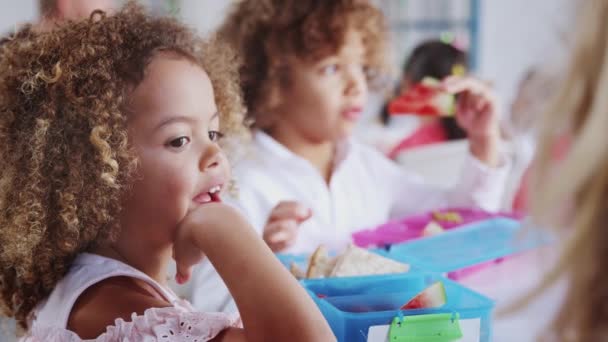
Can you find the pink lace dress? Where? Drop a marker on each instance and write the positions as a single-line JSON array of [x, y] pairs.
[[177, 323]]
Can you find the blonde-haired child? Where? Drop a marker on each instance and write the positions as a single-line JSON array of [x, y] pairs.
[[572, 194], [110, 164]]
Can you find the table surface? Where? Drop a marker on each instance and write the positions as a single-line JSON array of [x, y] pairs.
[[510, 280]]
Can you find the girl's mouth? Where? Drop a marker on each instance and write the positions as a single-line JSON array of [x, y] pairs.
[[213, 195]]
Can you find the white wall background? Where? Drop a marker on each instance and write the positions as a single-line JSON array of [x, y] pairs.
[[13, 12], [204, 15], [519, 34]]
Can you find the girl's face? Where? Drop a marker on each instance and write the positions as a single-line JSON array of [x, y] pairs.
[[324, 100], [174, 129]]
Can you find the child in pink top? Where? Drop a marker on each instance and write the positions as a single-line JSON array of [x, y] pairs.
[[430, 133], [438, 60]]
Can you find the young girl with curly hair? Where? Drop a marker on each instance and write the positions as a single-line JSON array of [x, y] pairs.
[[110, 166]]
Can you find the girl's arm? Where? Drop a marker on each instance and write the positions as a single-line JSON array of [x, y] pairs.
[[273, 306]]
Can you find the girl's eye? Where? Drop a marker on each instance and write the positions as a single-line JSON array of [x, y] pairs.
[[179, 142], [215, 136], [330, 69]]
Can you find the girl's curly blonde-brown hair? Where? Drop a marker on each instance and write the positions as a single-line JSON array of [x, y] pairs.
[[65, 159], [267, 32]]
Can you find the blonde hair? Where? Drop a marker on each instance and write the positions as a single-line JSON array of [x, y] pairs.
[[579, 183]]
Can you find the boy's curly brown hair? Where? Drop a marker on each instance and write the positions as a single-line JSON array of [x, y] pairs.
[[267, 32], [65, 159]]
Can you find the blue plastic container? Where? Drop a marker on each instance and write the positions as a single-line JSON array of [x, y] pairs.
[[353, 305], [430, 258], [468, 246]]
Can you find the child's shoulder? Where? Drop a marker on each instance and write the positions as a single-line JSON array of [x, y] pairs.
[[259, 157], [126, 309], [115, 298], [95, 281], [368, 155], [105, 299]]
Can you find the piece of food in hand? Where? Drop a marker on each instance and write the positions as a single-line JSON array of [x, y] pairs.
[[320, 264], [432, 229], [426, 98], [358, 262], [433, 296]]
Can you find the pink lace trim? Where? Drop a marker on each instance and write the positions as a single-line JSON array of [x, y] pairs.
[[156, 324]]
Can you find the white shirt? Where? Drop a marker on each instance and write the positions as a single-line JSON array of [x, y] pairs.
[[366, 189]]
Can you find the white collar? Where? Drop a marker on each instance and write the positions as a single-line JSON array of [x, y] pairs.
[[270, 145]]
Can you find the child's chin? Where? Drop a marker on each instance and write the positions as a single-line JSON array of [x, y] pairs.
[[345, 131], [335, 133]]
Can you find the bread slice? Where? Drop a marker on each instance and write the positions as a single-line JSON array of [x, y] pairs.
[[296, 271], [358, 261], [320, 264]]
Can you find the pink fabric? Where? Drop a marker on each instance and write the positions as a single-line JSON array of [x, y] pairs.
[[428, 134], [520, 202], [177, 323], [156, 324]]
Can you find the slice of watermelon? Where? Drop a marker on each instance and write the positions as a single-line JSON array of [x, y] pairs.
[[432, 229], [432, 297], [424, 98]]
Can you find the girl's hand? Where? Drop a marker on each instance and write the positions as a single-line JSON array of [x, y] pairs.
[[281, 230], [477, 112], [185, 247]]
